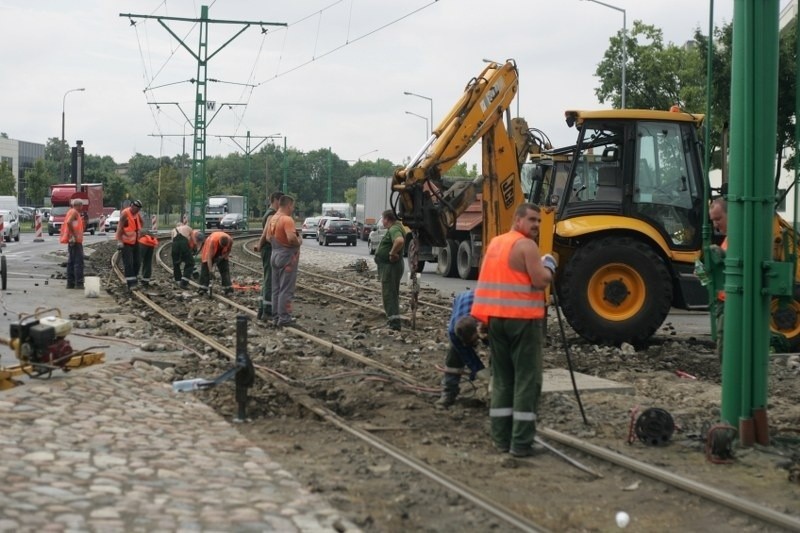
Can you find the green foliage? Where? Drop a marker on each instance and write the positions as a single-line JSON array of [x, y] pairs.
[[38, 180], [8, 184], [350, 195]]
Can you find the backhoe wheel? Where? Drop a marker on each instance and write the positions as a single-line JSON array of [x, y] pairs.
[[615, 290], [446, 261], [785, 319], [464, 261]]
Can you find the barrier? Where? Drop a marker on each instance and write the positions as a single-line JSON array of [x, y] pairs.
[[38, 227], [102, 228], [154, 223]]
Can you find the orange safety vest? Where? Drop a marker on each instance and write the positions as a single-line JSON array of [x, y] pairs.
[[212, 247], [148, 240], [73, 215], [721, 292], [501, 291], [133, 224]]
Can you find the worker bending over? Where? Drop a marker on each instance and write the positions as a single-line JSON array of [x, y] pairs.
[[215, 251], [147, 246], [185, 244]]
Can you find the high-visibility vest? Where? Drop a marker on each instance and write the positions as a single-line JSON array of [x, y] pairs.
[[73, 216], [721, 292], [501, 291], [133, 224], [148, 240], [213, 248]]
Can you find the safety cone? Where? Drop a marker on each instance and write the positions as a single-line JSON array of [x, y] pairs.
[[154, 223]]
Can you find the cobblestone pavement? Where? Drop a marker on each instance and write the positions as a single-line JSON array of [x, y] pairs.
[[110, 449]]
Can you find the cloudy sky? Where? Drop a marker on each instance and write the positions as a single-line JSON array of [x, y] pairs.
[[334, 78]]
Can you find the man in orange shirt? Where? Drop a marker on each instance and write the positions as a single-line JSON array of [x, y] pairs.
[[215, 251], [509, 298], [282, 235], [128, 229], [72, 236]]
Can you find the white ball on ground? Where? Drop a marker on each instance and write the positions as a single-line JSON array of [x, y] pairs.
[[623, 519]]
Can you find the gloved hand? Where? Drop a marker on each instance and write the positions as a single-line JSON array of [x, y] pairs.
[[550, 263], [119, 245]]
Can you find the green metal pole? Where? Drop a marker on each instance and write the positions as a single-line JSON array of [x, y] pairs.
[[706, 229], [330, 177], [754, 92], [285, 168], [247, 182]]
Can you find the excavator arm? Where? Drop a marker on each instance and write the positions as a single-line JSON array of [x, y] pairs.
[[424, 205]]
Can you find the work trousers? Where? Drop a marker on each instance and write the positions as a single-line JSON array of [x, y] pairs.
[[516, 346], [74, 264], [266, 281], [284, 278], [224, 273], [146, 261], [130, 261], [182, 260], [458, 356], [390, 275]]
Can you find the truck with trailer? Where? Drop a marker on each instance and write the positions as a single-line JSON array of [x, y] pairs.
[[220, 205], [61, 196], [372, 198], [338, 210]]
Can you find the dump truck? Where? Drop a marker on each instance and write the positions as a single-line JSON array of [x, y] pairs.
[[61, 196]]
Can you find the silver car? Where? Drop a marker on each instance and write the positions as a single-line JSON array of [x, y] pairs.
[[309, 228], [374, 238]]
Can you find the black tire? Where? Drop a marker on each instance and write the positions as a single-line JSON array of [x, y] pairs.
[[3, 273], [464, 261], [17, 237], [327, 242], [446, 260], [615, 290], [91, 231]]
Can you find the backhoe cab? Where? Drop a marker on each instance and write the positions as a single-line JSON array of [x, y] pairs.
[[629, 202]]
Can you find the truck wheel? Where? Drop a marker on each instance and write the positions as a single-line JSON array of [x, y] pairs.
[[446, 260], [91, 231], [3, 273], [17, 237], [464, 261], [615, 290], [785, 320]]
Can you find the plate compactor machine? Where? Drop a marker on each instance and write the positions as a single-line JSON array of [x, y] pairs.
[[40, 344]]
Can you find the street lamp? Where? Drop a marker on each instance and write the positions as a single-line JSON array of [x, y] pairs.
[[63, 103], [423, 118], [624, 41], [367, 153], [426, 98]]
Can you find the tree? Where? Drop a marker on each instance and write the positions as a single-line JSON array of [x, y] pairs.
[[652, 71], [8, 184], [38, 180]]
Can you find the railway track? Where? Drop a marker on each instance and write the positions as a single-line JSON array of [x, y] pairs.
[[304, 389]]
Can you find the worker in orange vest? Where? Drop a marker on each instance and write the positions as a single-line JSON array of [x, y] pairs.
[[72, 236], [509, 297], [128, 229], [147, 245], [718, 213], [215, 251]]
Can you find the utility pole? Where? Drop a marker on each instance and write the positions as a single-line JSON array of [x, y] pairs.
[[330, 185], [285, 168], [247, 152], [198, 187]]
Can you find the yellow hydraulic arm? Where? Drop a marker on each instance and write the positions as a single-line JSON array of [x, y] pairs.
[[423, 206]]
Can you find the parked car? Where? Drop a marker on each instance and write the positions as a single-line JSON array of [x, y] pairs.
[[10, 225], [112, 221], [232, 221], [374, 239], [45, 212], [309, 228], [338, 230], [26, 213]]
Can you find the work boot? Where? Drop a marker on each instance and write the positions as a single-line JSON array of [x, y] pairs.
[[445, 401], [227, 291], [527, 451], [184, 284], [79, 286]]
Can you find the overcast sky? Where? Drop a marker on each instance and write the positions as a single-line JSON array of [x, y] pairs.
[[334, 78]]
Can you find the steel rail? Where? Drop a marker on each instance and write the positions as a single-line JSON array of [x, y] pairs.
[[725, 499], [301, 397], [348, 283]]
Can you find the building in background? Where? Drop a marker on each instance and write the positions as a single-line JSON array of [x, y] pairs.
[[20, 156]]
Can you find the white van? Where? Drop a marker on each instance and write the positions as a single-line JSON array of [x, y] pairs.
[[9, 203]]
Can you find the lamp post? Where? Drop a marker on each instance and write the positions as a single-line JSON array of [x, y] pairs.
[[63, 104], [367, 153], [423, 118], [624, 41], [426, 98]]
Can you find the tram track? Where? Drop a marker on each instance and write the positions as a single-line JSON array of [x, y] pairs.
[[754, 510]]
